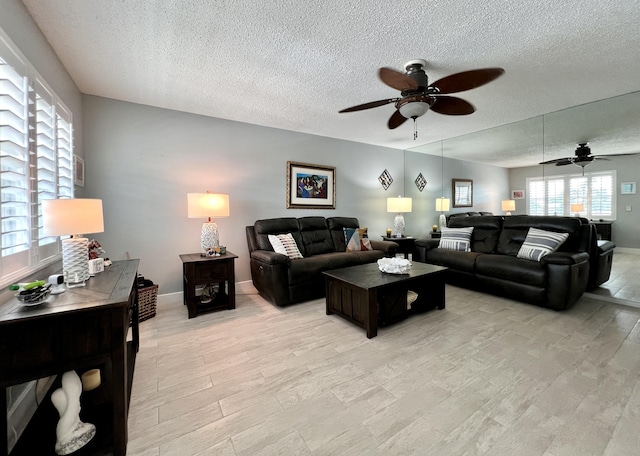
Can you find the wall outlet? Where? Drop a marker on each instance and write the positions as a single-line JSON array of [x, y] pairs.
[[628, 208]]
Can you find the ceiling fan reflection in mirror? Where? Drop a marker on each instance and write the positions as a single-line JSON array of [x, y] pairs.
[[582, 157], [417, 96]]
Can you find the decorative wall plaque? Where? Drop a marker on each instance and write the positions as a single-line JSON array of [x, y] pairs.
[[385, 179], [421, 182]]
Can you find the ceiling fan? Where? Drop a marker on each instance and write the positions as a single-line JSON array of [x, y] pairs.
[[417, 96], [582, 157]]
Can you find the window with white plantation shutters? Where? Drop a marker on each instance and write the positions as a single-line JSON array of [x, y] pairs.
[[554, 195], [36, 137], [14, 165]]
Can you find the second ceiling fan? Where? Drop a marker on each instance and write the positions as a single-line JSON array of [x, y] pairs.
[[417, 96]]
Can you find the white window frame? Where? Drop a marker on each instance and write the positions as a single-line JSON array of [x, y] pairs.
[[56, 130], [568, 196]]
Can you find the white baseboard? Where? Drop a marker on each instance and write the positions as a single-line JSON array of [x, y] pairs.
[[245, 287]]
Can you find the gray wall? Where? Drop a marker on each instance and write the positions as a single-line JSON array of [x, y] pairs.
[[490, 187], [625, 230], [142, 161]]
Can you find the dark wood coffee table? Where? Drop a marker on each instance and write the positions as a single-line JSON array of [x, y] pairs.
[[367, 297]]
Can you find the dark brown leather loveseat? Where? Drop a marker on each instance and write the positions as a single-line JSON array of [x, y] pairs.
[[283, 281], [556, 281]]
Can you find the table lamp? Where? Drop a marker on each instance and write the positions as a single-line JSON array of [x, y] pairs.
[[577, 208], [73, 217], [508, 205], [201, 205], [442, 206], [398, 205]]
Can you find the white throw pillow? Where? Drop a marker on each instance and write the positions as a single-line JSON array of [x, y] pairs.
[[286, 245], [456, 239], [539, 243]]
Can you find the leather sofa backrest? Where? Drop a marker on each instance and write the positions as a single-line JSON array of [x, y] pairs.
[[516, 227], [486, 231], [466, 214], [263, 228], [316, 238], [336, 225]]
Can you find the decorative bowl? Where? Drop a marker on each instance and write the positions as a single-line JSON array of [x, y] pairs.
[[34, 296]]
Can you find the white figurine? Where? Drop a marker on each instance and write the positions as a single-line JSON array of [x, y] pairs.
[[71, 433]]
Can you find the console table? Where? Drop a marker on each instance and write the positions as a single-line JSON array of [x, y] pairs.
[[81, 329], [199, 270]]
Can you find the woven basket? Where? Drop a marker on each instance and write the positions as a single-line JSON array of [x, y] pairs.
[[147, 300]]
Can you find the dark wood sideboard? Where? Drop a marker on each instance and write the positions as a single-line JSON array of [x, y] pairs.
[[82, 329]]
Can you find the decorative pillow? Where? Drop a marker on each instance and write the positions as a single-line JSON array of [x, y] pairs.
[[456, 239], [285, 244], [539, 243], [357, 239]]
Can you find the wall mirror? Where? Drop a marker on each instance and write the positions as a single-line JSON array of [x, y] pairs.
[[462, 191]]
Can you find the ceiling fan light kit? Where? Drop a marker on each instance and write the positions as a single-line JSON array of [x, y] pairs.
[[417, 96]]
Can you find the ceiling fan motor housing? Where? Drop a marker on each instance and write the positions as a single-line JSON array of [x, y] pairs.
[[415, 70]]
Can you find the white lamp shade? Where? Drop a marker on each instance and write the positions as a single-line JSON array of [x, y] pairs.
[[508, 205], [442, 204], [578, 207], [62, 217], [202, 205], [399, 204]]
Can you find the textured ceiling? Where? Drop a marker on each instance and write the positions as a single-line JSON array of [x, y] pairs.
[[293, 64]]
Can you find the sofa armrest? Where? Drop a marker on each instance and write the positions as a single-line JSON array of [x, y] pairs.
[[388, 247], [565, 258], [427, 244], [271, 258]]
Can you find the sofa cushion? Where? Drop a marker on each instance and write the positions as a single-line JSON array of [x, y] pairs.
[[263, 228], [486, 231], [357, 239], [336, 227], [304, 269], [316, 238], [539, 243], [285, 245], [460, 261], [456, 239], [511, 268]]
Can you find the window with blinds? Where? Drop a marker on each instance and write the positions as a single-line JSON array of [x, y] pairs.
[[554, 195], [36, 151]]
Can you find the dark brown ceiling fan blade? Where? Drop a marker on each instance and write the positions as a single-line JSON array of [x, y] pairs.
[[396, 120], [397, 80], [564, 161], [452, 106], [466, 80], [371, 104]]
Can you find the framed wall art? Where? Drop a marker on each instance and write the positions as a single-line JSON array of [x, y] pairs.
[[628, 188], [78, 171], [310, 186], [517, 194], [462, 190]]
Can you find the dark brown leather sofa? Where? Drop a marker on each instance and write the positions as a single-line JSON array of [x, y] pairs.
[[557, 281], [283, 281]]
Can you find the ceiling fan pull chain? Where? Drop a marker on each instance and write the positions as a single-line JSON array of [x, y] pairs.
[[415, 129]]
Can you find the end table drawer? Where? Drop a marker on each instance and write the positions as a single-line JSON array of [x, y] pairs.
[[211, 271]]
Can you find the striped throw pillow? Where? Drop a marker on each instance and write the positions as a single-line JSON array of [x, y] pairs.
[[285, 244], [456, 239], [539, 243]]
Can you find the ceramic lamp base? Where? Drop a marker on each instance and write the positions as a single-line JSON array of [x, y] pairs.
[[210, 238], [398, 226], [442, 221], [75, 261]]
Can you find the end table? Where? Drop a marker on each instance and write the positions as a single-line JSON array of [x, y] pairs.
[[199, 270], [405, 244]]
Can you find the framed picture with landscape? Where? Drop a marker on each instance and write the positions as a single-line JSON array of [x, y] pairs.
[[462, 190], [310, 186]]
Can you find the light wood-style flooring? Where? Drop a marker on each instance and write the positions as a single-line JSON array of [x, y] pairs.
[[486, 376]]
